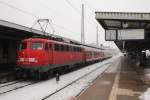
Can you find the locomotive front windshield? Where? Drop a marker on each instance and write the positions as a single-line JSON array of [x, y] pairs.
[[36, 46]]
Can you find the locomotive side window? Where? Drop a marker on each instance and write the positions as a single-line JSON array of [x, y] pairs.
[[56, 47], [50, 46], [46, 46], [36, 46], [23, 46], [62, 47]]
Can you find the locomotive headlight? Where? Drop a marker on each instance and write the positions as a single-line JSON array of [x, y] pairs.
[[21, 59], [33, 60]]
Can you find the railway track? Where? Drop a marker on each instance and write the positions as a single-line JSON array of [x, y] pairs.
[[7, 76], [14, 86], [10, 83], [69, 84], [18, 84]]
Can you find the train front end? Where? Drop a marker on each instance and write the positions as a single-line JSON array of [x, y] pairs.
[[32, 58]]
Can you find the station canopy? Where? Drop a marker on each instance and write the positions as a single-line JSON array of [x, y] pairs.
[[129, 30]]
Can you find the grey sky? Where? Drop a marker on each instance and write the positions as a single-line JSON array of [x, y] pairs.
[[66, 14]]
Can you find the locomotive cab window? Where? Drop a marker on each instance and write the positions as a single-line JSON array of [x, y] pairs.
[[23, 46], [36, 46]]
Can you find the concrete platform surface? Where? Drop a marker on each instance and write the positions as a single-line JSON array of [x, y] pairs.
[[119, 82]]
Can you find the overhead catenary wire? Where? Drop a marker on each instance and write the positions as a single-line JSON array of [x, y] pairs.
[[64, 28], [18, 9], [56, 25], [32, 15], [91, 8], [76, 9], [46, 7], [94, 25], [86, 18], [37, 17]]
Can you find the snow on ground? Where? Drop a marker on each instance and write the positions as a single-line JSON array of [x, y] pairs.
[[13, 86], [3, 84], [145, 95], [79, 86], [75, 88], [40, 90]]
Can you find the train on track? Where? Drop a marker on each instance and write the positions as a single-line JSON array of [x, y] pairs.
[[39, 57]]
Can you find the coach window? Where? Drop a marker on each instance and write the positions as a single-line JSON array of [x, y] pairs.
[[79, 49], [70, 48], [64, 47], [56, 47], [67, 48], [74, 49], [61, 47]]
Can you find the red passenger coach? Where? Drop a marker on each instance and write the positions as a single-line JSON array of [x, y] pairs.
[[93, 54]]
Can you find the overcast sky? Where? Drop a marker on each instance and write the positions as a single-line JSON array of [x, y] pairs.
[[66, 14]]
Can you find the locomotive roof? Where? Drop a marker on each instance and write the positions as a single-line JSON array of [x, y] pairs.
[[48, 40], [87, 48]]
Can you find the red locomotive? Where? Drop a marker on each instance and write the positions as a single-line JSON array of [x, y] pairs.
[[39, 57]]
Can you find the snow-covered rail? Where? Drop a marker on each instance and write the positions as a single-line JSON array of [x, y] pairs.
[[10, 83], [14, 86]]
